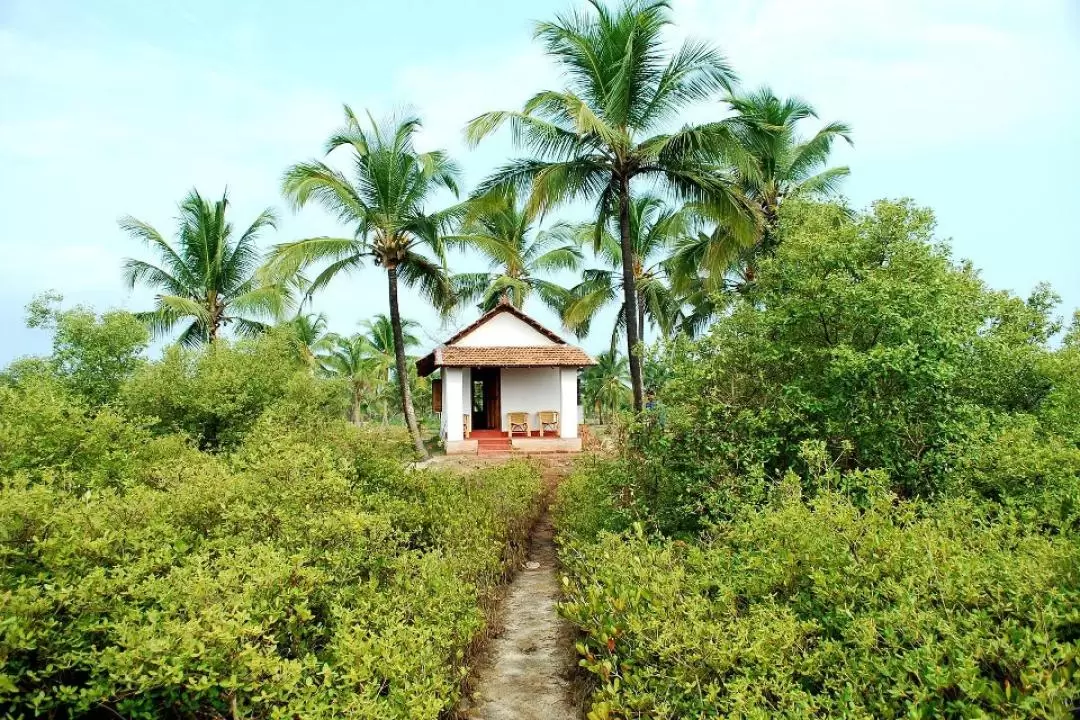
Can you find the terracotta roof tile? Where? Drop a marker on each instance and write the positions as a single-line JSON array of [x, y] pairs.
[[449, 355], [545, 356]]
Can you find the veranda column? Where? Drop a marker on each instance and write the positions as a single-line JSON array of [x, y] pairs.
[[568, 410], [452, 406]]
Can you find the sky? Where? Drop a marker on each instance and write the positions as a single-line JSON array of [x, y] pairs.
[[118, 107]]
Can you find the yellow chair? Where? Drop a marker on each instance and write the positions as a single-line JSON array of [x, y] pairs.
[[466, 424], [518, 422], [549, 420]]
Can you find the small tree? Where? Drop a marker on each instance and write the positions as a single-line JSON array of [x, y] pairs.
[[93, 354], [654, 227], [504, 232], [606, 385]]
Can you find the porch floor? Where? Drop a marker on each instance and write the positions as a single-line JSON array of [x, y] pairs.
[[497, 441]]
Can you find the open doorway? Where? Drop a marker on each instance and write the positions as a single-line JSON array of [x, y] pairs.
[[486, 413]]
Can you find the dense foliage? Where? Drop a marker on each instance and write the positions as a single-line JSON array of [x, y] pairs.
[[825, 609], [299, 571], [858, 496], [862, 334]]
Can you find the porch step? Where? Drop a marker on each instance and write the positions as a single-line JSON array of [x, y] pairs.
[[493, 445]]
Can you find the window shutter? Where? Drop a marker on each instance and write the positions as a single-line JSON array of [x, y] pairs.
[[436, 395]]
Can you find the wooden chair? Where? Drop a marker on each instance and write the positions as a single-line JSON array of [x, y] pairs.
[[466, 424], [549, 420], [518, 422]]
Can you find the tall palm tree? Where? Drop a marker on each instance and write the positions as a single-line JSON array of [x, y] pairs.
[[606, 385], [780, 165], [207, 279], [384, 203], [604, 132], [653, 229], [502, 230]]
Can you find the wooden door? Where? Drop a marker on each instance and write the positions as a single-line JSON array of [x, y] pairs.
[[492, 393], [485, 399]]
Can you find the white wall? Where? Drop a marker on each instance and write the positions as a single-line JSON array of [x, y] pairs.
[[505, 330], [466, 390], [568, 413], [452, 404], [530, 390]]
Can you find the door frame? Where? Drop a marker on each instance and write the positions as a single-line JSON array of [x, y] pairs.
[[490, 379]]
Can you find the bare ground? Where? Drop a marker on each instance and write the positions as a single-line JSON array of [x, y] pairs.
[[529, 668]]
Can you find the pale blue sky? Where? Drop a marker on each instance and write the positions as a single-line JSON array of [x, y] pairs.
[[114, 107]]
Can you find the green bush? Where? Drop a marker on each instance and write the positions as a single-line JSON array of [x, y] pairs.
[[862, 333], [49, 433], [216, 394], [594, 499], [303, 573], [1029, 471], [92, 355], [823, 609]]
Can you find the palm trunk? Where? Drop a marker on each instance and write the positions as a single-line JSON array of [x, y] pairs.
[[354, 406], [630, 303], [641, 319], [215, 318], [402, 369]]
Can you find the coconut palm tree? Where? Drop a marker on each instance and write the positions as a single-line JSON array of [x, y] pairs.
[[378, 333], [653, 229], [310, 337], [350, 358], [207, 278], [781, 165], [504, 232], [605, 131], [384, 204], [606, 385]]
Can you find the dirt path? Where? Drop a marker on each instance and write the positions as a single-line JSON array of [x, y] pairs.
[[527, 674]]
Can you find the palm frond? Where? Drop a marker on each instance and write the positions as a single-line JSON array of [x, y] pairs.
[[288, 259], [318, 181], [430, 279]]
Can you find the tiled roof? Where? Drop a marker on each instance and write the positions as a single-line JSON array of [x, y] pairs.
[[449, 355], [544, 356]]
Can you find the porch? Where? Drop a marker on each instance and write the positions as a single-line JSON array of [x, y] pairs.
[[493, 442], [510, 408]]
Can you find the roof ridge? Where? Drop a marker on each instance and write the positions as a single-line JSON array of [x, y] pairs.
[[501, 308]]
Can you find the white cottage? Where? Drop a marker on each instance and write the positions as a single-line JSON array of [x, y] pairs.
[[507, 382]]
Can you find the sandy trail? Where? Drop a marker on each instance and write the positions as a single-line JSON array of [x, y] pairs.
[[529, 666]]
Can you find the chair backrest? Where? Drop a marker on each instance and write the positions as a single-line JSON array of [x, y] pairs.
[[518, 418], [549, 417]]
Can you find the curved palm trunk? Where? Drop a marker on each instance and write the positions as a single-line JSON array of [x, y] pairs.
[[402, 369], [630, 303]]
